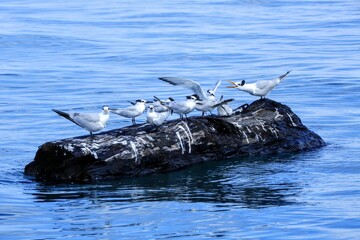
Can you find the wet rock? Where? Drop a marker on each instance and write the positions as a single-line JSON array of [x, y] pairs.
[[264, 127]]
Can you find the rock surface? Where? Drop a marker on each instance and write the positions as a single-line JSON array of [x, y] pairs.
[[264, 127]]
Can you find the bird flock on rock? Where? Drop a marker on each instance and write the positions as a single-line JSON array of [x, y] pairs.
[[159, 110]]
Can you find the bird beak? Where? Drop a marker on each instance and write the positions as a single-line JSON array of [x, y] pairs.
[[234, 85]]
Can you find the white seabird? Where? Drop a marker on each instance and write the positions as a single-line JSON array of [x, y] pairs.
[[156, 118], [192, 85], [260, 88], [132, 111], [211, 92], [207, 99], [161, 105], [209, 105], [224, 109], [185, 107], [93, 122]]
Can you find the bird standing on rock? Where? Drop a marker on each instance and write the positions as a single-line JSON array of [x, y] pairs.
[[224, 109], [161, 105], [260, 88], [193, 86], [185, 107], [208, 98], [132, 111], [93, 122], [209, 105], [156, 118]]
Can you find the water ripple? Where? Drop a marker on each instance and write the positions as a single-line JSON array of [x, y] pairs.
[[79, 56]]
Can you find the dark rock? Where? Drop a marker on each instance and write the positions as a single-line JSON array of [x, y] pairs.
[[264, 127]]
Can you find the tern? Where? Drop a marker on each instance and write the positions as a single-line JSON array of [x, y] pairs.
[[260, 88], [209, 105], [156, 118], [194, 86], [208, 98], [132, 111], [161, 105], [185, 107], [224, 109], [93, 122]]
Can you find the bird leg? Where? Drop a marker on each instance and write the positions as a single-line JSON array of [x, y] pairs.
[[91, 136]]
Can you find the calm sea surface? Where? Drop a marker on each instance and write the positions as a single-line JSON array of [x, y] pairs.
[[80, 55]]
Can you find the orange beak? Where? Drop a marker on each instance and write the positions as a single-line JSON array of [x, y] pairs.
[[234, 85]]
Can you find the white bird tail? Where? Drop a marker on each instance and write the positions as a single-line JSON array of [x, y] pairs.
[[65, 115]]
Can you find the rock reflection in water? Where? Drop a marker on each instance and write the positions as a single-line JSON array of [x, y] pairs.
[[246, 182]]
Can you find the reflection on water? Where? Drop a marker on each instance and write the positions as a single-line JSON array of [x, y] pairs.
[[80, 55], [246, 182]]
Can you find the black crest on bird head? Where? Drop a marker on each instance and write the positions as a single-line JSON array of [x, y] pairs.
[[242, 83], [196, 96]]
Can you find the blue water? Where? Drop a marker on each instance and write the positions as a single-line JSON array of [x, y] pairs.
[[80, 55]]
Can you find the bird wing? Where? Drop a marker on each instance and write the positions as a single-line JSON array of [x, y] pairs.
[[130, 111], [65, 115], [263, 84], [217, 84], [89, 121], [161, 108], [186, 83], [224, 110], [85, 117], [178, 107], [120, 111], [161, 117]]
